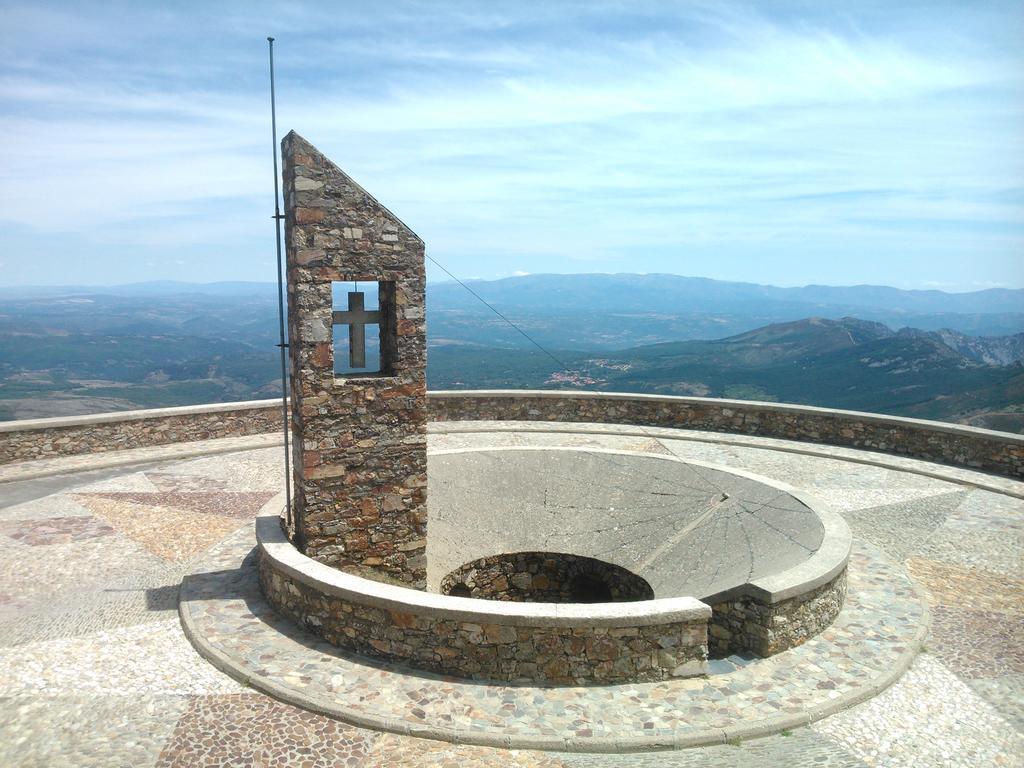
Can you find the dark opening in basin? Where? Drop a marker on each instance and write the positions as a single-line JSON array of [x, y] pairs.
[[546, 577]]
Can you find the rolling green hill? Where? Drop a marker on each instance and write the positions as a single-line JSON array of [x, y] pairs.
[[844, 363], [73, 351]]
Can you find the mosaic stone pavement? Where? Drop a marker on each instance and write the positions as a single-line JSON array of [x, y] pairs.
[[880, 623], [95, 669]]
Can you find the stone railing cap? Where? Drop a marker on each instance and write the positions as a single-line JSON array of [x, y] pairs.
[[744, 405], [26, 425], [973, 433]]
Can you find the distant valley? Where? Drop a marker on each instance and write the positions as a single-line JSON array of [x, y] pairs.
[[621, 311], [845, 363], [919, 353]]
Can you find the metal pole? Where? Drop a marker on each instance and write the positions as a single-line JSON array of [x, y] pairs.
[[280, 298]]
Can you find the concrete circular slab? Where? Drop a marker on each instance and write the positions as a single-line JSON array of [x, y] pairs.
[[687, 528]]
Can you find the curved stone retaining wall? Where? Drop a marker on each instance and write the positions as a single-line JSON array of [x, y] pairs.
[[554, 642], [489, 640], [781, 611], [746, 623], [1000, 453], [73, 435]]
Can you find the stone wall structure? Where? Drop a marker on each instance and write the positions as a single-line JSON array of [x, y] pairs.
[[999, 453], [536, 627], [32, 439], [746, 623], [360, 438], [540, 643]]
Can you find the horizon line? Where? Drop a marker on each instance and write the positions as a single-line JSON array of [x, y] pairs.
[[140, 283]]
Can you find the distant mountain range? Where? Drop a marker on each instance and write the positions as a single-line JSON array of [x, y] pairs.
[[619, 311], [665, 293], [78, 350], [847, 363]]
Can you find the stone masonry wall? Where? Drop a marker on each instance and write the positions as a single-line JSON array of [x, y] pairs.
[[543, 577], [1003, 455], [746, 624], [135, 429], [498, 652], [931, 441], [360, 440]]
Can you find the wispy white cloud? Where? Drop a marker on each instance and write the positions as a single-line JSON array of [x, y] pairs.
[[623, 136]]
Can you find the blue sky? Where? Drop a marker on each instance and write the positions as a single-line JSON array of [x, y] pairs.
[[783, 143]]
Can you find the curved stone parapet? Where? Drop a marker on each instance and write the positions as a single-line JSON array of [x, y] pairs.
[[1000, 453], [873, 641], [102, 432], [553, 643], [997, 452], [561, 642], [745, 622], [775, 613]]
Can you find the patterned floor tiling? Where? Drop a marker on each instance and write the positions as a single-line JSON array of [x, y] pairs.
[[900, 529], [881, 617], [243, 730], [125, 482], [132, 458], [43, 574], [172, 482], [102, 675], [257, 470], [391, 750], [802, 747], [57, 505], [171, 533], [815, 474], [810, 472], [985, 510], [55, 530], [898, 479], [546, 439], [1005, 694], [236, 505], [152, 658], [987, 549], [928, 718], [650, 446], [86, 731], [845, 500], [978, 643], [245, 472], [85, 612], [10, 550], [973, 588]]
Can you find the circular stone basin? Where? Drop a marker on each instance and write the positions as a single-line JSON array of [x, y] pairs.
[[770, 569], [683, 528]]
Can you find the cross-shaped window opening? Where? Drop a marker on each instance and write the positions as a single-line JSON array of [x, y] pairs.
[[360, 324]]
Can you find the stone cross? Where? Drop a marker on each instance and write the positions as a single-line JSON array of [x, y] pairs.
[[357, 318], [360, 439]]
